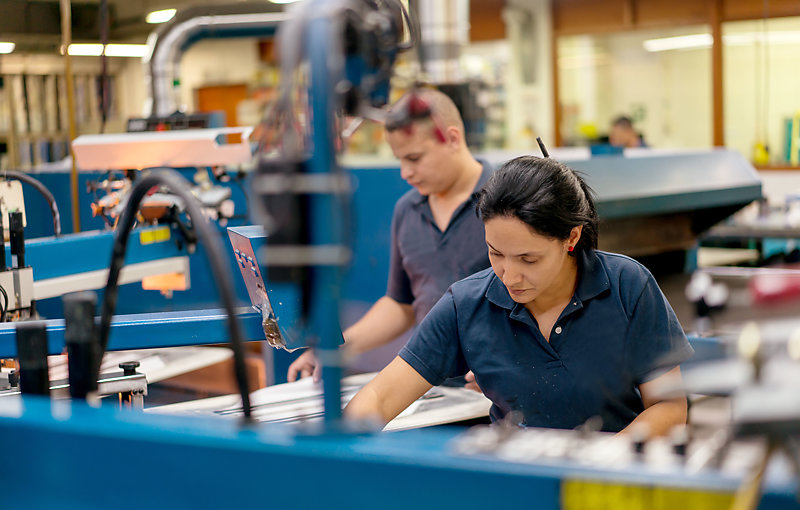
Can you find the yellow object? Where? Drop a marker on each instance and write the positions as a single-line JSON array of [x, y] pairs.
[[588, 130], [593, 495], [760, 154], [154, 235]]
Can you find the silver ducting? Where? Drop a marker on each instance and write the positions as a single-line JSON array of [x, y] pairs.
[[444, 31], [167, 45]]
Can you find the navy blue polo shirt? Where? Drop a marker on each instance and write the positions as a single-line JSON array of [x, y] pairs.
[[617, 332], [425, 261]]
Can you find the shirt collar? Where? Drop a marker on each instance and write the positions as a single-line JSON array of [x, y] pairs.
[[485, 174], [592, 281]]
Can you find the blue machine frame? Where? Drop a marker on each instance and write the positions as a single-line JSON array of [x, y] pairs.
[[68, 455]]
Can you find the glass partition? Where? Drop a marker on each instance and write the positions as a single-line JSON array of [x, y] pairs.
[[661, 79]]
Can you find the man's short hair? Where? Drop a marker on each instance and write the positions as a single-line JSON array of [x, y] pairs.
[[442, 108], [623, 121]]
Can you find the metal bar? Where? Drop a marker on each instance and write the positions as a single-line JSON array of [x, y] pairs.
[[148, 330], [93, 280], [66, 40], [326, 71]]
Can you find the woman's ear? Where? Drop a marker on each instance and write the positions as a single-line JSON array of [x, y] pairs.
[[575, 235]]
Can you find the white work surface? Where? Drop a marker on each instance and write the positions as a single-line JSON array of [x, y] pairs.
[[301, 401], [155, 364]]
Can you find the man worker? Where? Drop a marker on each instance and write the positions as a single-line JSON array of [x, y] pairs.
[[436, 237], [623, 135]]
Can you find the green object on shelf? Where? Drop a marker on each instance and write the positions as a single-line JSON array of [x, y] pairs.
[[792, 140]]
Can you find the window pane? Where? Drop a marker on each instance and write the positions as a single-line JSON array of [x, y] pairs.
[[760, 62], [659, 78]]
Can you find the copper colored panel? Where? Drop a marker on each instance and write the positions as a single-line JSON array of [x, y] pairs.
[[670, 12], [586, 16], [486, 20], [735, 10]]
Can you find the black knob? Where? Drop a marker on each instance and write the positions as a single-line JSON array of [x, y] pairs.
[[680, 441], [129, 367], [13, 378]]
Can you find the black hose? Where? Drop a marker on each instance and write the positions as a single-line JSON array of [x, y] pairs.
[[5, 306], [214, 250], [21, 176]]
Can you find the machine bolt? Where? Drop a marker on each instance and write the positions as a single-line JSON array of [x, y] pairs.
[[129, 367]]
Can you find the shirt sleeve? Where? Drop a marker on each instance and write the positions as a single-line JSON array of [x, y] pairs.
[[434, 350], [399, 286], [656, 339]]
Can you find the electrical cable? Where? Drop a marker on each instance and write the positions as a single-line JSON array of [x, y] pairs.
[[5, 305], [214, 251], [51, 201]]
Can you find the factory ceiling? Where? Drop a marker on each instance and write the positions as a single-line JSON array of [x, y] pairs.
[[35, 25]]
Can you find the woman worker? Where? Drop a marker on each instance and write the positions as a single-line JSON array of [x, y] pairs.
[[555, 329]]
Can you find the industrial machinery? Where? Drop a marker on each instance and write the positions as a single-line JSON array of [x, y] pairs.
[[68, 454]]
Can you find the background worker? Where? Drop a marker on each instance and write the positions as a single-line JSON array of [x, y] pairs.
[[623, 134], [437, 238]]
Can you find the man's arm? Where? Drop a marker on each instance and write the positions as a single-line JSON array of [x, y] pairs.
[[660, 415], [395, 388], [386, 320]]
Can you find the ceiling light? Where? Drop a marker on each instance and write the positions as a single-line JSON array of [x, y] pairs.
[[161, 16], [282, 1], [126, 50], [85, 50], [6, 47], [681, 42]]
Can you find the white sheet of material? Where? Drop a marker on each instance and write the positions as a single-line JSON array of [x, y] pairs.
[[301, 401]]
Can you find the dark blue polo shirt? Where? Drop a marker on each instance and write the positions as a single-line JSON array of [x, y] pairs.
[[425, 261], [618, 332]]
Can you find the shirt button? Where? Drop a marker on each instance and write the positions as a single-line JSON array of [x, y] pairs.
[[558, 330]]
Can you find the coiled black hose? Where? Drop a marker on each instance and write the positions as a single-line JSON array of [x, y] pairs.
[[214, 249]]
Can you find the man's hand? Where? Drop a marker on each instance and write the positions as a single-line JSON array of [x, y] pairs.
[[305, 365], [471, 384]]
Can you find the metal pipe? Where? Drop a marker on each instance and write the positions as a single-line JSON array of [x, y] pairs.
[[167, 45], [444, 30], [66, 40]]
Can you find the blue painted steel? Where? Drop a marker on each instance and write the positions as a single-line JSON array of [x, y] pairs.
[[663, 184], [140, 331], [91, 251], [71, 456], [328, 211]]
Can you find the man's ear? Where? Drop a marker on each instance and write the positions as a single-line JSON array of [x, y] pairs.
[[454, 137]]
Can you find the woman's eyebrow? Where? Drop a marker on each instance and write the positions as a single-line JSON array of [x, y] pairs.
[[527, 254]]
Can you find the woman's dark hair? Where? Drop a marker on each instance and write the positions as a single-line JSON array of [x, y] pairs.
[[547, 195]]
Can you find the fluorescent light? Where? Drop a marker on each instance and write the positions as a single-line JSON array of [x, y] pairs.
[[111, 50], [684, 42], [126, 50], [681, 42], [86, 50], [282, 1], [161, 16], [7, 47]]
